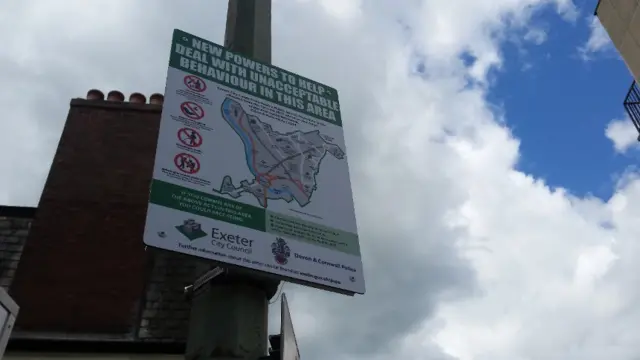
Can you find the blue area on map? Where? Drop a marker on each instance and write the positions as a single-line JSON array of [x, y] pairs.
[[227, 116]]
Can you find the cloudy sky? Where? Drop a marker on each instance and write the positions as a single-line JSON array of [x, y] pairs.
[[492, 162]]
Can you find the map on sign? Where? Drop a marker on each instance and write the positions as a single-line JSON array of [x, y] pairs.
[[284, 165]]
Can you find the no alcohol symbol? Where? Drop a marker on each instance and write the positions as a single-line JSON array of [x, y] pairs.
[[192, 110], [187, 163], [195, 83], [190, 137]]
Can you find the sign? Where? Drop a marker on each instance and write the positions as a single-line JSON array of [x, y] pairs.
[[258, 175], [206, 277], [8, 314], [289, 345], [195, 83], [189, 137], [187, 163], [192, 110]]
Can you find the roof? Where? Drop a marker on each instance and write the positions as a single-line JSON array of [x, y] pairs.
[[24, 212]]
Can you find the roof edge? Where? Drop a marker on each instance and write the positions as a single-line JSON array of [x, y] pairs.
[[24, 212], [113, 105], [595, 11], [96, 346]]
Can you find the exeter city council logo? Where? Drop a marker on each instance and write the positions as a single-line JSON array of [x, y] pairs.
[[191, 230], [280, 251]]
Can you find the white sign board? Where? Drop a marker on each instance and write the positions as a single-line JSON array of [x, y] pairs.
[[251, 169], [8, 314], [289, 345]]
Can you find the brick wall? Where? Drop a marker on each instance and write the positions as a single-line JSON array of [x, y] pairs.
[[84, 269]]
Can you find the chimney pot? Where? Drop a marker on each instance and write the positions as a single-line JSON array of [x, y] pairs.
[[95, 94], [137, 98], [115, 95], [156, 99]]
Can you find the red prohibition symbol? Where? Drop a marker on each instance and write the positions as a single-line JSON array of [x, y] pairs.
[[190, 137], [187, 163], [192, 110], [195, 83]]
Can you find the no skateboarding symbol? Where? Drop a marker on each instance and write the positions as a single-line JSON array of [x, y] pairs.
[[195, 83], [187, 163], [192, 110], [190, 137]]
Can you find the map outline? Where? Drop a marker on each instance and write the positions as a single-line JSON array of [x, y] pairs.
[[273, 183]]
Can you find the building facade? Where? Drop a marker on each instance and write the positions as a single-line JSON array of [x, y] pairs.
[[621, 20], [76, 264]]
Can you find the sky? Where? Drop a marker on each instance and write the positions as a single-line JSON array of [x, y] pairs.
[[514, 236]]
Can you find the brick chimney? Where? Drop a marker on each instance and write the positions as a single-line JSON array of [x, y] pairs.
[[84, 268]]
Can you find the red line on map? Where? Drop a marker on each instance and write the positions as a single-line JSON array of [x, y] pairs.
[[260, 175]]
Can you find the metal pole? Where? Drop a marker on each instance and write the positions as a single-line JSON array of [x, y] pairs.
[[229, 314], [248, 29]]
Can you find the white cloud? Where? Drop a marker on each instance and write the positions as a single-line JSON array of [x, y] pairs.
[[557, 292], [465, 256], [344, 9], [598, 41], [622, 134], [536, 35]]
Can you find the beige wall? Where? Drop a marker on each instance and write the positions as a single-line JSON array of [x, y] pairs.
[[74, 356], [621, 19]]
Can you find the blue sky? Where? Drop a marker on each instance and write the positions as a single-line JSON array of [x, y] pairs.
[[561, 104]]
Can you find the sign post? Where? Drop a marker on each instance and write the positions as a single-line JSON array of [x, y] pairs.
[[250, 173]]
